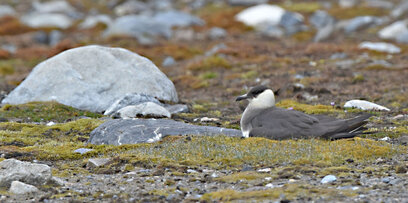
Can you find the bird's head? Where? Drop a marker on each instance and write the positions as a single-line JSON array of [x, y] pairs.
[[259, 97]]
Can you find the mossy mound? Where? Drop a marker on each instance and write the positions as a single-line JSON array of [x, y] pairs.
[[43, 112]]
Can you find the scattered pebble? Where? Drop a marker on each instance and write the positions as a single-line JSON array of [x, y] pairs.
[[380, 47], [364, 105], [328, 179], [83, 150], [264, 170]]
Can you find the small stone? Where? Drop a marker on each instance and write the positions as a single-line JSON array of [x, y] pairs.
[[328, 179], [385, 139], [168, 61], [268, 178], [177, 108], [21, 188], [380, 47], [145, 109], [264, 170], [398, 117], [83, 150], [217, 33], [261, 14], [364, 105], [385, 180], [394, 30], [97, 162], [50, 123], [191, 171], [401, 169], [403, 140], [207, 120]]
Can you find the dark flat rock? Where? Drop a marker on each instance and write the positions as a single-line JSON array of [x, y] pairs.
[[132, 131]]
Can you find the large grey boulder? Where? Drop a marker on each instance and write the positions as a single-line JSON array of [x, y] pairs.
[[30, 173], [92, 78], [118, 132]]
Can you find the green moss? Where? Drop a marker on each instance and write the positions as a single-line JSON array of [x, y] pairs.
[[290, 191], [310, 109], [209, 75], [302, 7], [249, 75], [43, 111], [358, 78], [55, 142], [355, 11], [243, 176], [209, 63]]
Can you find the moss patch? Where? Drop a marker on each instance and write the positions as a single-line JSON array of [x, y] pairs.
[[290, 192], [209, 63], [43, 111]]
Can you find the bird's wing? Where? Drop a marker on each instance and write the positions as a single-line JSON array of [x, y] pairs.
[[277, 123]]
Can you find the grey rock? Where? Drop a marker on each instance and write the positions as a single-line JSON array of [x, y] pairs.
[[403, 140], [340, 55], [161, 5], [118, 131], [273, 31], [246, 2], [92, 78], [365, 105], [34, 174], [400, 9], [217, 33], [130, 7], [168, 61], [177, 18], [55, 37], [20, 188], [198, 4], [292, 22], [145, 109], [324, 33], [345, 64], [6, 10], [184, 34], [41, 37], [215, 49], [143, 28], [379, 4], [46, 20], [321, 19], [394, 30], [57, 181], [362, 22], [92, 21], [386, 180], [56, 6], [328, 179], [380, 47], [347, 3], [130, 99], [97, 162], [177, 108], [83, 150], [260, 15], [10, 48], [402, 37]]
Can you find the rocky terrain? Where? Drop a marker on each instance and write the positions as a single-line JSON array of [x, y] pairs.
[[134, 101]]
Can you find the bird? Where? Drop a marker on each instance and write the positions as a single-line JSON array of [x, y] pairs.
[[262, 118]]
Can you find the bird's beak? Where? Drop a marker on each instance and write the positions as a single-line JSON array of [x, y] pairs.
[[242, 97]]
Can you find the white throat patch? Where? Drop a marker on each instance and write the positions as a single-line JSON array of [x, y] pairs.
[[264, 100]]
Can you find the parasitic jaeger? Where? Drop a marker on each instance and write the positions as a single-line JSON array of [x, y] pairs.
[[262, 118]]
